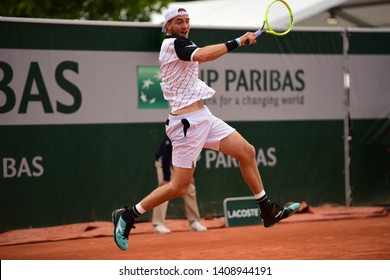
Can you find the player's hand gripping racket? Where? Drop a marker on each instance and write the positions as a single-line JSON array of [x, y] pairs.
[[279, 19]]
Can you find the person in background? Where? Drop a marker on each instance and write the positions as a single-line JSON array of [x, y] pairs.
[[164, 170]]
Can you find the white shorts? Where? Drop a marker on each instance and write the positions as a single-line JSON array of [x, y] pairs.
[[192, 132]]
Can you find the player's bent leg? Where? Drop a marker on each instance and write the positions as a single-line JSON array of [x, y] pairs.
[[124, 218], [237, 147], [177, 187]]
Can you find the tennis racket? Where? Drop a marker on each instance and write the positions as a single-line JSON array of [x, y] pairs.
[[278, 19]]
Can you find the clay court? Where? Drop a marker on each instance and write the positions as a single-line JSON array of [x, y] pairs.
[[324, 233]]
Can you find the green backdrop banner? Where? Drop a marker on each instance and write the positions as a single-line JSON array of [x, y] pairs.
[[370, 117]]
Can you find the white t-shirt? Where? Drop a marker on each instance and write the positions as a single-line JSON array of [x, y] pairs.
[[180, 84]]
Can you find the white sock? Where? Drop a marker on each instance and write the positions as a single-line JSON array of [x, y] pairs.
[[140, 209], [260, 195]]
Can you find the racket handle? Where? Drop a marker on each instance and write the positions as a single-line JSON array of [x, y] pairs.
[[257, 32]]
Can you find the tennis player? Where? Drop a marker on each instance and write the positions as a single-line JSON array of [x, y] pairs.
[[191, 126]]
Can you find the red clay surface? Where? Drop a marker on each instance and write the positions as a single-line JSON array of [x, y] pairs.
[[365, 237]]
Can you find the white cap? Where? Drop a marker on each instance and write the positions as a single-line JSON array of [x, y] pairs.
[[171, 13]]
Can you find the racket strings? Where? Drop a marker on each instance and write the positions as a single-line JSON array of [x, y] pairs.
[[279, 19]]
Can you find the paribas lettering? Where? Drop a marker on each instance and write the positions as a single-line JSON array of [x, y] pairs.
[[257, 80]]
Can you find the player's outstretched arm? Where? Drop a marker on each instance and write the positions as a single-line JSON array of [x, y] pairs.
[[212, 52]]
